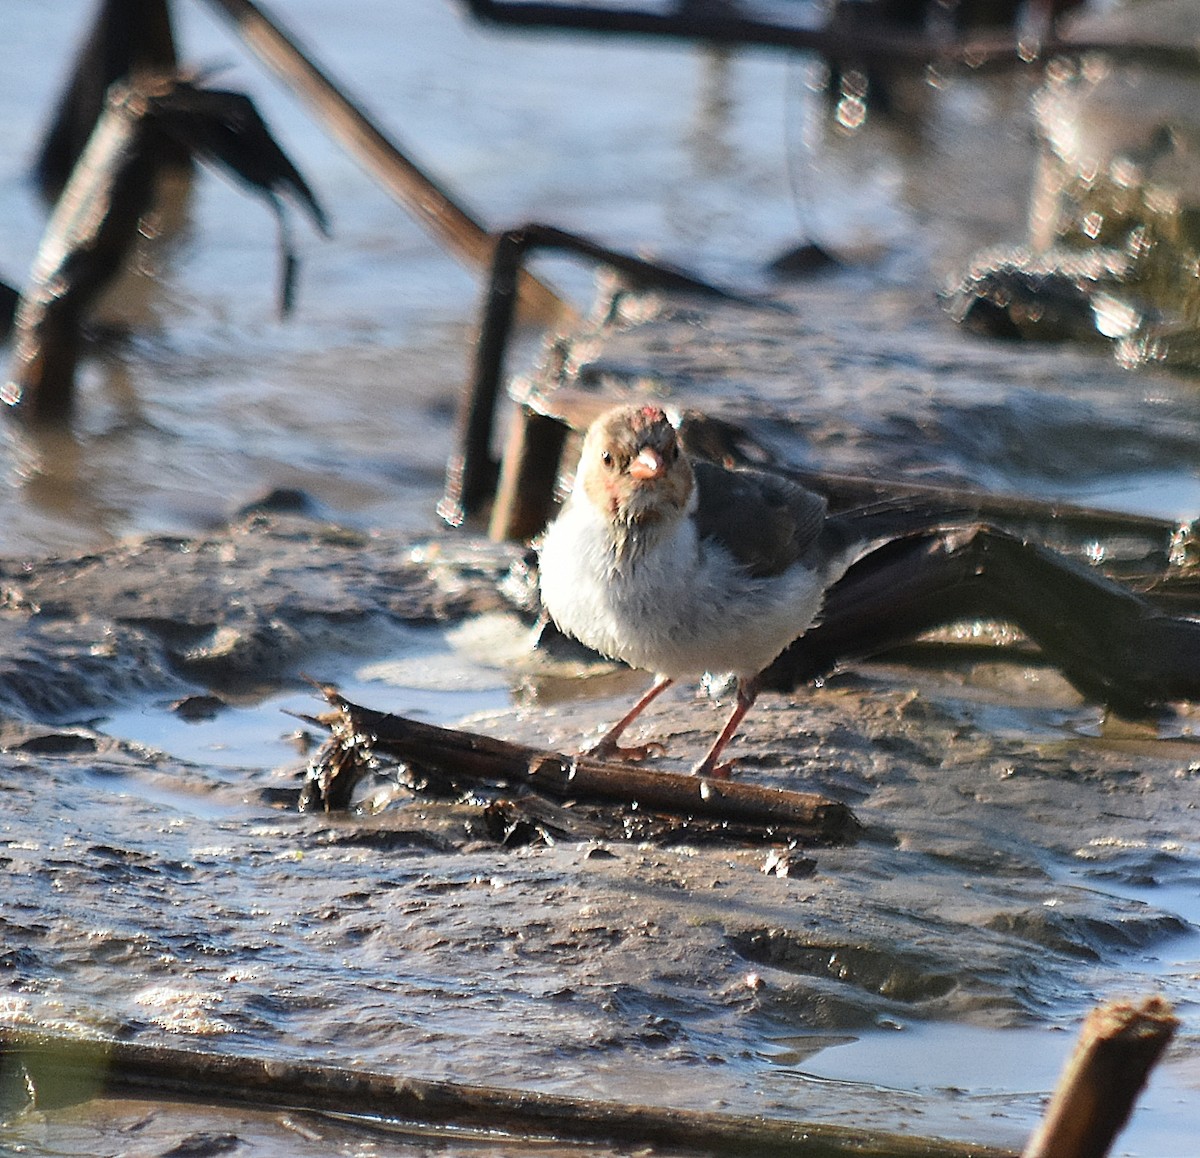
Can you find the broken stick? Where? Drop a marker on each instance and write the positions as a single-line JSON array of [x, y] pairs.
[[468, 756]]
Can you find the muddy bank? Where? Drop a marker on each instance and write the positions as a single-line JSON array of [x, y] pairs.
[[232, 614], [1023, 857]]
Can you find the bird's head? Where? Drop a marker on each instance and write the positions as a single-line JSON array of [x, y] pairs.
[[632, 469]]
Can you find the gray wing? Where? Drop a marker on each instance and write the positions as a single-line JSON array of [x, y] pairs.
[[764, 521]]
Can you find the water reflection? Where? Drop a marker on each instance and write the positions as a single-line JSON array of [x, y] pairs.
[[714, 152]]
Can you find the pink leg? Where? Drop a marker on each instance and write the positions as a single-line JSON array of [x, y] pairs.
[[747, 693], [607, 745]]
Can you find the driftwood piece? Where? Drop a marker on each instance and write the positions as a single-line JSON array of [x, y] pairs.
[[61, 1069], [1118, 1046], [1111, 642], [360, 733], [431, 204]]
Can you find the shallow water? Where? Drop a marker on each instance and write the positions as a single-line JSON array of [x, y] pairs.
[[216, 401], [156, 890], [423, 676]]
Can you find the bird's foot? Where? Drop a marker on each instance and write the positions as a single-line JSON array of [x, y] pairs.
[[714, 771], [609, 749]]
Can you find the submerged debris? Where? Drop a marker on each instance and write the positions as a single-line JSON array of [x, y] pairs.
[[97, 217], [1113, 244], [62, 1070], [1118, 1046]]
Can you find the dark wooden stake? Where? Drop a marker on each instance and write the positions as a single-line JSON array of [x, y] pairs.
[[524, 500], [60, 1069], [129, 38], [472, 471], [1118, 1046]]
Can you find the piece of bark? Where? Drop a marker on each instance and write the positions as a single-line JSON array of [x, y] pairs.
[[362, 733], [61, 1069], [1118, 1046]]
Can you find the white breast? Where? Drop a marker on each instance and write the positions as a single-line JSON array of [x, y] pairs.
[[678, 608]]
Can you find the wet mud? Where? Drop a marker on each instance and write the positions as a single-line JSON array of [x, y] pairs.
[[880, 385], [1023, 857]]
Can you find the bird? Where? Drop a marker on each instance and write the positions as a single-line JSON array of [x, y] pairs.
[[683, 567]]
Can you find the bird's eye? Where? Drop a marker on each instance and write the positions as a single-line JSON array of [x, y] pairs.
[[606, 457]]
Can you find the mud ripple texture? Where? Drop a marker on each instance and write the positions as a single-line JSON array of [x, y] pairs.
[[1020, 860]]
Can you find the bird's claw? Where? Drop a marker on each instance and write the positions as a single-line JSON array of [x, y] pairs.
[[610, 750], [715, 771]]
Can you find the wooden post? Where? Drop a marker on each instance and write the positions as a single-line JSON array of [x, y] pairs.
[[1118, 1046], [528, 471]]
